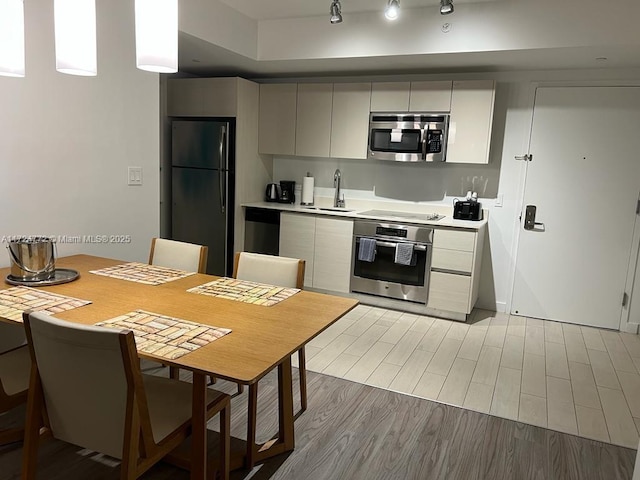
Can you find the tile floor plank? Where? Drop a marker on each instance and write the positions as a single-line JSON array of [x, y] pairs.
[[328, 354], [364, 367], [495, 335], [408, 376], [630, 383], [513, 352], [341, 365], [487, 368], [592, 339], [429, 385], [533, 375], [479, 397], [632, 343], [383, 375], [365, 341], [457, 383], [472, 344], [404, 348], [435, 334], [553, 332], [444, 357], [534, 340], [603, 370], [533, 410], [622, 429], [506, 396], [591, 423], [556, 360], [576, 349], [583, 385], [561, 413]]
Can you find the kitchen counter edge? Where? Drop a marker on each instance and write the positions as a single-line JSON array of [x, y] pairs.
[[447, 221]]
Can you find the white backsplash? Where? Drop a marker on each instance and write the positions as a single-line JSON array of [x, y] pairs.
[[391, 185]]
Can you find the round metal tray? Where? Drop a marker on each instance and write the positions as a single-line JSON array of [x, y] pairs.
[[61, 275]]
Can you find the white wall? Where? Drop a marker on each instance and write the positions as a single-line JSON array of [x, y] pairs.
[[438, 184], [66, 141]]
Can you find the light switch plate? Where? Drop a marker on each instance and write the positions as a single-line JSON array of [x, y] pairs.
[[135, 175]]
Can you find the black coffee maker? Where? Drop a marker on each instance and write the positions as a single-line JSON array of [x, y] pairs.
[[287, 191]]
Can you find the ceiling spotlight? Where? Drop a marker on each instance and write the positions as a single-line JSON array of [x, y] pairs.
[[336, 15], [446, 7], [392, 10]]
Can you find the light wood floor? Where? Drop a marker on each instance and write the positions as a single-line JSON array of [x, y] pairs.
[[358, 432], [572, 379]]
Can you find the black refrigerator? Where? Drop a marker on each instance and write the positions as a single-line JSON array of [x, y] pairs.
[[202, 187]]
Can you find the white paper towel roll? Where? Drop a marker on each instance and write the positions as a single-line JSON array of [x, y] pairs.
[[307, 190]]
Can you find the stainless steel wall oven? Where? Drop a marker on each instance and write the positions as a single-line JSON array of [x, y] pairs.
[[381, 273]]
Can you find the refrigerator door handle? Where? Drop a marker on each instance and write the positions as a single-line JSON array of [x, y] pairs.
[[223, 168]]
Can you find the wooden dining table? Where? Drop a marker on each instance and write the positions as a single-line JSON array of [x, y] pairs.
[[263, 338]]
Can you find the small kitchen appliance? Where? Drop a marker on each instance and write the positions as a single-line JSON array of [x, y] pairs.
[[287, 191], [273, 192], [467, 210]]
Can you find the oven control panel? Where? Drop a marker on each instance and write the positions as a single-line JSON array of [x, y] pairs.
[[391, 232]]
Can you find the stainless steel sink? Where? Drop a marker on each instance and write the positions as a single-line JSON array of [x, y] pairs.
[[328, 209]]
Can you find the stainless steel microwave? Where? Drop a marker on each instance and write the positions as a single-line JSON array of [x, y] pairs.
[[408, 137]]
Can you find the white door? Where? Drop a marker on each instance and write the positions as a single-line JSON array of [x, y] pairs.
[[584, 181]]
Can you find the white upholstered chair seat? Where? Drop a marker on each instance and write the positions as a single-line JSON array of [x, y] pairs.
[[88, 390], [179, 255], [169, 404], [15, 366], [280, 271], [255, 267]]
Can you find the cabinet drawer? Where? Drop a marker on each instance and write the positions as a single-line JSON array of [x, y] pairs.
[[455, 260], [449, 292], [454, 240]]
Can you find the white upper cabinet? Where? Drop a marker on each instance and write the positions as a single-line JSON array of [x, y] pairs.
[[470, 122], [411, 96], [390, 96], [277, 118], [350, 120], [313, 120], [430, 96], [202, 97]]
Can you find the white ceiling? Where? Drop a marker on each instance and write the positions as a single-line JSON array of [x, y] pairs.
[[289, 19], [274, 9]]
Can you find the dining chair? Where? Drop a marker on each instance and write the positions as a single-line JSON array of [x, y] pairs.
[[15, 365], [280, 271], [86, 388], [179, 255]]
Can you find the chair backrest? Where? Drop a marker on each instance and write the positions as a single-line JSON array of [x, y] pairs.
[[178, 255], [271, 269], [85, 381]]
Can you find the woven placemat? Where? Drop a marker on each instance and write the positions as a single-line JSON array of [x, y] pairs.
[[245, 291]]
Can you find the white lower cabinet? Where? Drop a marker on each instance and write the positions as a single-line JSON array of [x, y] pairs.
[[297, 240], [325, 245], [448, 291], [332, 259], [455, 269]]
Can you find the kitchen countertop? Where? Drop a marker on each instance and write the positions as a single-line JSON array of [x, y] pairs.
[[447, 221]]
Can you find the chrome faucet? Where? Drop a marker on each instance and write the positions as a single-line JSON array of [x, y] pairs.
[[337, 201]]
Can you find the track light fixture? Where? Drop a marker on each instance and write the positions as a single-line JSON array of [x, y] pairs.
[[446, 7], [336, 15], [393, 9]]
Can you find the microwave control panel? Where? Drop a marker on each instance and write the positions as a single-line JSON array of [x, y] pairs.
[[434, 141]]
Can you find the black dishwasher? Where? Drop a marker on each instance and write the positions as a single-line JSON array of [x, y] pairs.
[[261, 230]]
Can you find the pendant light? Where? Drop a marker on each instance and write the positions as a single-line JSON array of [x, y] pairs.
[[393, 10], [75, 25], [157, 35], [446, 7], [12, 38], [336, 12]]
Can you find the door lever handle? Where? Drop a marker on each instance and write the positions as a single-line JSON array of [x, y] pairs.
[[530, 219]]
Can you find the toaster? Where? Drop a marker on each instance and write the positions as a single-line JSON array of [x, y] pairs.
[[467, 210]]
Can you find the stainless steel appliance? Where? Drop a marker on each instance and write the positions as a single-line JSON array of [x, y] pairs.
[[272, 193], [408, 137], [383, 276], [287, 191], [202, 187], [262, 230]]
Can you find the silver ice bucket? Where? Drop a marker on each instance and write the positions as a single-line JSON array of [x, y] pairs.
[[32, 258]]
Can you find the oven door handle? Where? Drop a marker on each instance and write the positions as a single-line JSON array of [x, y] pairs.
[[416, 246]]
